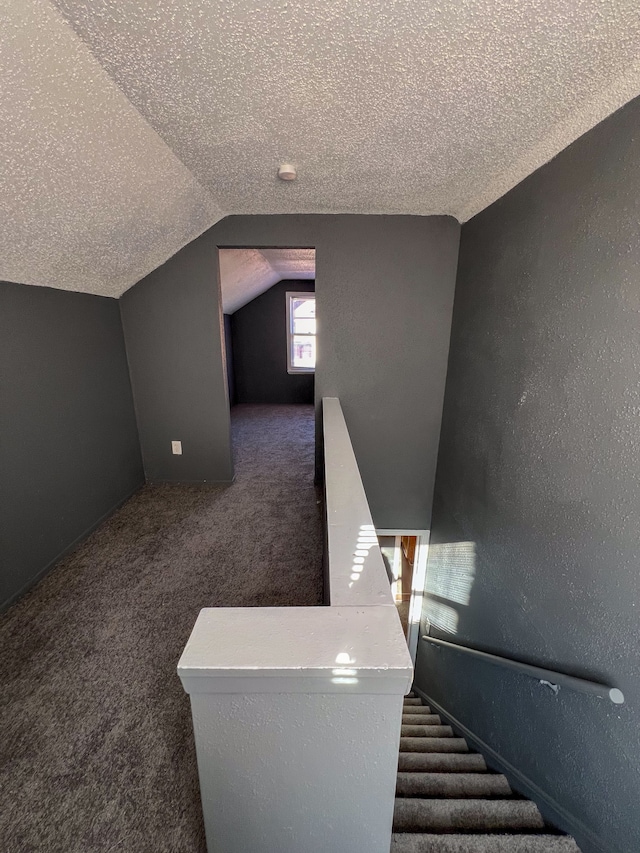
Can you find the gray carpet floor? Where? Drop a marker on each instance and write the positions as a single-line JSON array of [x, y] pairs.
[[96, 745]]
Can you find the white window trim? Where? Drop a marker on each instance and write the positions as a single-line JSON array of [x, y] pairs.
[[290, 367]]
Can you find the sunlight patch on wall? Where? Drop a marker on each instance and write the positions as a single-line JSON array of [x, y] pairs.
[[452, 569], [450, 576], [441, 616]]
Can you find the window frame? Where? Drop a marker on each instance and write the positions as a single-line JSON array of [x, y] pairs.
[[308, 294]]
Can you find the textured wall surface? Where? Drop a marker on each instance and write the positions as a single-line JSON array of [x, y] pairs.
[[228, 353], [384, 291], [260, 350], [69, 451], [174, 334], [535, 547], [129, 128]]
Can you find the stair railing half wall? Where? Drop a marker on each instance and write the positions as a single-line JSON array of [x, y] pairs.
[[555, 680], [297, 710]]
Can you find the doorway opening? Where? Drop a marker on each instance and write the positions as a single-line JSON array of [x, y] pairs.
[[269, 342], [268, 311], [268, 303], [405, 555]]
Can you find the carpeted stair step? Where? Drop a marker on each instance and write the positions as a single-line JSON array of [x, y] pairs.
[[447, 800], [433, 744], [421, 719], [426, 731], [427, 843], [452, 785], [466, 815], [441, 762], [411, 695]]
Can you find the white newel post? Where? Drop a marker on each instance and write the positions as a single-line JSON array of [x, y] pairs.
[[296, 715], [297, 710]]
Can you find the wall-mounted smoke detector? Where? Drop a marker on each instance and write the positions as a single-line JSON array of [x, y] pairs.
[[287, 172]]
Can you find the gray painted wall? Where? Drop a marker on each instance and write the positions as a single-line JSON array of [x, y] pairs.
[[69, 452], [384, 287], [538, 472], [259, 332], [174, 332], [384, 291], [228, 351]]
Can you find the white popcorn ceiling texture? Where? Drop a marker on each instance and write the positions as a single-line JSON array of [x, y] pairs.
[[246, 273], [91, 198], [131, 127]]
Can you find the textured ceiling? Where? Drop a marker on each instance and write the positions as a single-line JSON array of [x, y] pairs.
[[91, 198], [130, 127], [292, 263], [246, 273]]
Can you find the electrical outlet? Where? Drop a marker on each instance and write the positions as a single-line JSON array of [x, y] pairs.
[[176, 448]]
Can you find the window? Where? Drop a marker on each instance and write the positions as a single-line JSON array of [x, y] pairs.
[[301, 332]]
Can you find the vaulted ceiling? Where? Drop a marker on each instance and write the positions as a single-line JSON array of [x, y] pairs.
[[131, 126], [246, 273]]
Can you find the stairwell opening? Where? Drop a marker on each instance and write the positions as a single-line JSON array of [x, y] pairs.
[[405, 555]]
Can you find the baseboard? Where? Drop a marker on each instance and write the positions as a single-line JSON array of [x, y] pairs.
[[551, 810], [38, 577]]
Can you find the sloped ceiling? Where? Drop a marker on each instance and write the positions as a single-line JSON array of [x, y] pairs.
[[131, 127], [91, 198], [246, 273]]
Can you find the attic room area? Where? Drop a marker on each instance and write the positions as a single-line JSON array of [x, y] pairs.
[[199, 644]]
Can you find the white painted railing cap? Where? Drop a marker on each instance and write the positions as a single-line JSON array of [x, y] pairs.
[[355, 645], [297, 649]]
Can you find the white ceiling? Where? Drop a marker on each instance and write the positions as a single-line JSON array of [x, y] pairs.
[[246, 273], [131, 127], [91, 198]]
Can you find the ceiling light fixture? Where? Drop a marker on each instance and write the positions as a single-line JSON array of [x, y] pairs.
[[287, 172]]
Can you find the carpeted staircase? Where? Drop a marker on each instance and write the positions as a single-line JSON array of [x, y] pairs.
[[448, 801]]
